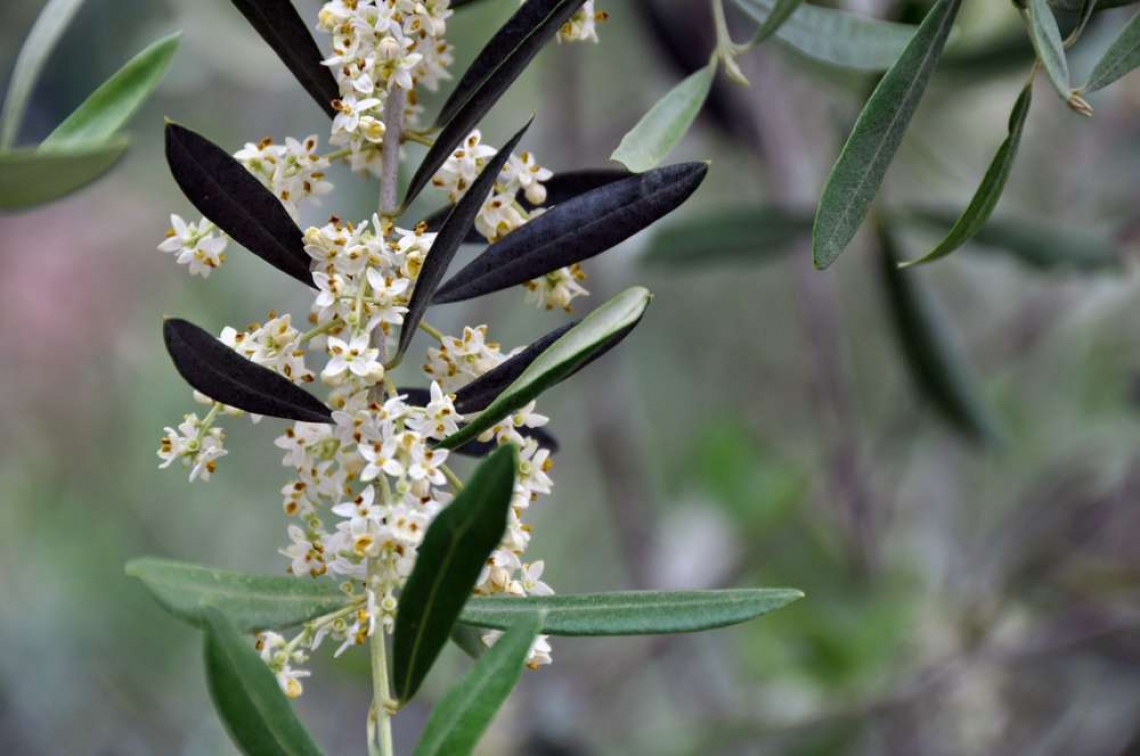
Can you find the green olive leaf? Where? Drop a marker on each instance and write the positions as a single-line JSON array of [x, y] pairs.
[[835, 37], [32, 176], [863, 163], [41, 40], [1045, 248], [988, 194], [1122, 56], [257, 715], [250, 602], [598, 331], [453, 553], [781, 12], [110, 106], [1049, 46], [666, 123], [630, 612], [460, 718]]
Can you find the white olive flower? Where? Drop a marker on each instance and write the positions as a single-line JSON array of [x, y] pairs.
[[195, 245]]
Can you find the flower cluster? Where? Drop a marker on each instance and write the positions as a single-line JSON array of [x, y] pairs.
[[379, 46], [365, 488]]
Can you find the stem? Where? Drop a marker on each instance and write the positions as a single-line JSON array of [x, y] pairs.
[[432, 331], [380, 716], [323, 328], [390, 158], [418, 137], [452, 478]]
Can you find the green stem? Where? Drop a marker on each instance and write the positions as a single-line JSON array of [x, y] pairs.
[[383, 707], [323, 328], [452, 478], [432, 331], [418, 137]]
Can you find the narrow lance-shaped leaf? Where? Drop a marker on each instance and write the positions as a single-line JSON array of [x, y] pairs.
[[630, 612], [452, 233], [524, 33], [781, 12], [1121, 57], [42, 38], [666, 123], [741, 235], [279, 24], [31, 177], [250, 602], [1051, 52], [453, 552], [836, 37], [598, 331], [1045, 248], [496, 67], [863, 163], [225, 376], [460, 718], [937, 368], [575, 230], [230, 196], [257, 715], [419, 397], [110, 106], [986, 198]]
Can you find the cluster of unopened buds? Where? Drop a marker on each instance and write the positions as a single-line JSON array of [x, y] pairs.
[[366, 487]]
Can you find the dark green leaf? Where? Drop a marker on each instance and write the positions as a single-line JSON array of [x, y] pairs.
[[560, 187], [666, 123], [1120, 58], [938, 370], [110, 106], [575, 230], [44, 34], [856, 177], [524, 34], [453, 552], [31, 177], [837, 37], [230, 196], [743, 235], [598, 331], [986, 198], [1039, 246], [630, 612], [257, 715], [496, 67], [460, 718], [279, 24], [225, 376], [251, 602], [456, 227]]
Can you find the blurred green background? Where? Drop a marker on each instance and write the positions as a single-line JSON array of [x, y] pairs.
[[759, 429]]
